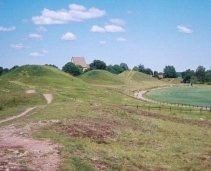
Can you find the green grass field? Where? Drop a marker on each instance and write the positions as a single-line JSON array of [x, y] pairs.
[[197, 95], [96, 131]]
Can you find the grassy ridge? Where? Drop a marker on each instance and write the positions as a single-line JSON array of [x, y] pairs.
[[97, 132], [101, 77]]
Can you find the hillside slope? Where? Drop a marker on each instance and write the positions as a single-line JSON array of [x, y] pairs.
[[144, 81], [42, 76], [101, 77]]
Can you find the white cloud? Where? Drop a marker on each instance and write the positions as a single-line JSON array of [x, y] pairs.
[[117, 21], [107, 28], [113, 28], [17, 46], [35, 36], [41, 29], [183, 29], [75, 13], [24, 20], [68, 36], [96, 28], [44, 51], [102, 42], [7, 29], [36, 54], [120, 39]]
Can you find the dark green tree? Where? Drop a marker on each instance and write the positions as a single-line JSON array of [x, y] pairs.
[[135, 68], [155, 74], [188, 75], [208, 76], [98, 64], [148, 71], [169, 72], [72, 69], [124, 66], [16, 66], [1, 70], [116, 69], [141, 68], [200, 73], [51, 65]]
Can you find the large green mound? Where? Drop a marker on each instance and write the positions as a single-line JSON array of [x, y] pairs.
[[101, 77], [42, 76], [144, 80]]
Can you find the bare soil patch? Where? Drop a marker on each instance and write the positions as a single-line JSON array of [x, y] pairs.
[[88, 128], [18, 152], [48, 97], [30, 91]]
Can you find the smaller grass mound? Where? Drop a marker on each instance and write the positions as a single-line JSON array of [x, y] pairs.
[[101, 77]]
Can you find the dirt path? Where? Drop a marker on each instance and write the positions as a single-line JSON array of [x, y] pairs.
[[19, 152], [17, 116], [48, 97]]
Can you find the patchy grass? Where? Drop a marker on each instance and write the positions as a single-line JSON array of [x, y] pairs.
[[109, 138], [95, 131]]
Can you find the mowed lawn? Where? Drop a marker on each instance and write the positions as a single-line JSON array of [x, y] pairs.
[[197, 95]]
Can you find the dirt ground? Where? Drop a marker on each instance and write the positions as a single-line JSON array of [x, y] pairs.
[[19, 152]]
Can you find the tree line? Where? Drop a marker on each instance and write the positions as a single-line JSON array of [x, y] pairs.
[[200, 75]]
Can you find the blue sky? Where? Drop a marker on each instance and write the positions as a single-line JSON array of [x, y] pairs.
[[154, 33]]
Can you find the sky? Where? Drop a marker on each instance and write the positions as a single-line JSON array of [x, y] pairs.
[[154, 33]]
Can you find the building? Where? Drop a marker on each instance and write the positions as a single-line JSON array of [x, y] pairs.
[[160, 76], [80, 61]]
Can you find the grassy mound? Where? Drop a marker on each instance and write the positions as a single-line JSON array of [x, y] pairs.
[[144, 80], [42, 76], [101, 77]]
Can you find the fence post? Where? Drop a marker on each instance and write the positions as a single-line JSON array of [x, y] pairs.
[[170, 109]]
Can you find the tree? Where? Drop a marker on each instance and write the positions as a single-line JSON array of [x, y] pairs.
[[135, 68], [155, 74], [141, 68], [98, 64], [51, 65], [1, 70], [169, 72], [188, 75], [208, 76], [16, 66], [200, 73], [148, 71], [72, 69], [116, 69], [124, 66]]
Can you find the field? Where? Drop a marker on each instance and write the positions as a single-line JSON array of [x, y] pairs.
[[91, 127], [197, 95]]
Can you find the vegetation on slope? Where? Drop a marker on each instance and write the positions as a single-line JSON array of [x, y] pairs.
[[96, 131], [101, 77]]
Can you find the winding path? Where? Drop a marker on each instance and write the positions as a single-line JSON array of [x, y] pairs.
[[48, 97]]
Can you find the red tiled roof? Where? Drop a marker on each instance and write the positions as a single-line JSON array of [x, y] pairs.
[[79, 61]]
